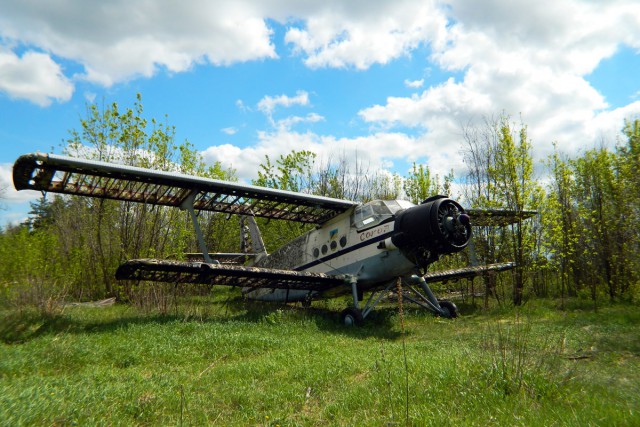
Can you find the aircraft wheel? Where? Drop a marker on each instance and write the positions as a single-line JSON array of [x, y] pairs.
[[351, 316], [451, 311]]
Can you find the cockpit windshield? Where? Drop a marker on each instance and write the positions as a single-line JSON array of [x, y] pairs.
[[377, 211]]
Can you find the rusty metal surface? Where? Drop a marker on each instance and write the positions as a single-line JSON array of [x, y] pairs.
[[497, 217], [228, 275], [222, 258], [467, 272], [68, 175]]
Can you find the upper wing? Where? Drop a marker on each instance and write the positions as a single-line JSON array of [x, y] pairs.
[[69, 175], [224, 274], [497, 217]]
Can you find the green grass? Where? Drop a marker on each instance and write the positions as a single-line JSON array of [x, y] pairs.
[[215, 362]]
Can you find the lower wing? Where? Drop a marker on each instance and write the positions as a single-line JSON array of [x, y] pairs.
[[467, 272], [228, 275]]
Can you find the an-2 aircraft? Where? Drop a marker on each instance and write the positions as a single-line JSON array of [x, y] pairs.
[[354, 248]]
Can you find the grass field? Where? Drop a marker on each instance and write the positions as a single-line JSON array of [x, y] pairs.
[[218, 362]]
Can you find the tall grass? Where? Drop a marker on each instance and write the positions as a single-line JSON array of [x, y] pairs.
[[217, 361]]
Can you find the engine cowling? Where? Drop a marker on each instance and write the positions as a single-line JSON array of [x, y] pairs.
[[437, 226]]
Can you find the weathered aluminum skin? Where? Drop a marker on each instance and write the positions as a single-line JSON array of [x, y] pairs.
[[337, 249]]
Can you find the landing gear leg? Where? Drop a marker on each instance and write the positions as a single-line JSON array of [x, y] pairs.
[[354, 315], [430, 302]]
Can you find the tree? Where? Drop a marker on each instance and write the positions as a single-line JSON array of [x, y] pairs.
[[111, 232], [591, 218], [517, 188], [420, 185], [40, 214], [501, 176], [293, 172], [560, 223], [3, 192], [629, 170]]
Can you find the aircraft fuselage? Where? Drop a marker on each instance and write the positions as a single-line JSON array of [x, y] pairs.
[[357, 242]]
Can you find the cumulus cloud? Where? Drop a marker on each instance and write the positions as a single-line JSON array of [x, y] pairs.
[[294, 120], [362, 33], [229, 130], [414, 84], [269, 103], [376, 151], [34, 77], [521, 58], [120, 40], [123, 39]]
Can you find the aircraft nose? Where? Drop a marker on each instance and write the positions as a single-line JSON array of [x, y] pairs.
[[439, 225]]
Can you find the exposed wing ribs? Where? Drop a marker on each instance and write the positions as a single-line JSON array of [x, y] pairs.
[[250, 278], [467, 272], [497, 217], [68, 175]]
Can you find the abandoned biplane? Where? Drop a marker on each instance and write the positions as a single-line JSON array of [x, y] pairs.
[[354, 248]]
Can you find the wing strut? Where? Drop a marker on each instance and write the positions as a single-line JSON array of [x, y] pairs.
[[187, 205]]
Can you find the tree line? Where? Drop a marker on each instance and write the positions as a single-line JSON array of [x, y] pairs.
[[584, 242]]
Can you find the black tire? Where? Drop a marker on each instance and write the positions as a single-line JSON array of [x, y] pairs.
[[351, 316], [451, 311]]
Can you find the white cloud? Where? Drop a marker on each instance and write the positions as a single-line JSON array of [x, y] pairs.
[[527, 58], [414, 84], [119, 40], [269, 103], [241, 105], [229, 131], [376, 151], [362, 33], [122, 39], [290, 121], [519, 56], [34, 77]]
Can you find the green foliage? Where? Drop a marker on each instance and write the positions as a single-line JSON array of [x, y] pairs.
[[592, 223], [291, 172], [559, 219], [86, 239], [501, 176], [585, 242], [32, 268], [420, 185]]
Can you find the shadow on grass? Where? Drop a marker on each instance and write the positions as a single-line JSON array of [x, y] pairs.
[[381, 323], [22, 326]]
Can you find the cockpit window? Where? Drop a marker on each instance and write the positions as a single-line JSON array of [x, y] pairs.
[[373, 213]]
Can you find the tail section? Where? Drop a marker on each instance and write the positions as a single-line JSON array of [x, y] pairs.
[[251, 239]]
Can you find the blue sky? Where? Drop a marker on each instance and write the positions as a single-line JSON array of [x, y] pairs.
[[390, 81]]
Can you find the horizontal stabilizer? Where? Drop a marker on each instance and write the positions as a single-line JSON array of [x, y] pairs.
[[227, 275]]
